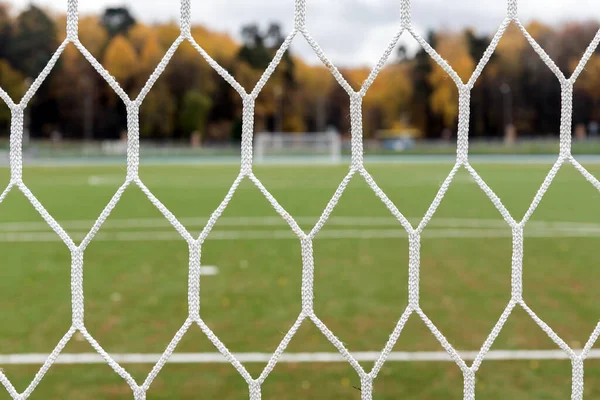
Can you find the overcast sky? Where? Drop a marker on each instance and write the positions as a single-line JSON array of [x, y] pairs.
[[351, 32]]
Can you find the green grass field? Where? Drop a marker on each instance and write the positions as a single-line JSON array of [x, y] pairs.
[[136, 278]]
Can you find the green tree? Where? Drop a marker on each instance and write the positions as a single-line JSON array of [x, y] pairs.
[[5, 29], [117, 20], [477, 47], [444, 98], [33, 41], [254, 50], [194, 112], [121, 60], [280, 94], [12, 82], [422, 115], [157, 114]]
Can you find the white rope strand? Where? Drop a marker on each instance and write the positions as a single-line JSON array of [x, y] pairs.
[[397, 220]]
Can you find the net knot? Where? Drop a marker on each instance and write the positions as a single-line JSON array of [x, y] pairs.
[[300, 15], [356, 129], [255, 390], [16, 144], [139, 393], [186, 16], [464, 114], [405, 13], [566, 119], [512, 9], [366, 387], [469, 383], [72, 20], [247, 151]]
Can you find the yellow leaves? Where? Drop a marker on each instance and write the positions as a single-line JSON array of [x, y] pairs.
[[538, 30], [453, 48], [11, 80], [120, 59], [590, 77], [152, 53], [91, 34], [145, 43], [167, 33], [149, 57], [139, 34], [246, 75], [444, 100], [357, 76], [293, 123], [158, 111], [391, 92], [218, 45], [316, 79], [388, 96], [511, 47]]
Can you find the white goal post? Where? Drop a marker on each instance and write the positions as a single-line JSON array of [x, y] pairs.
[[287, 146]]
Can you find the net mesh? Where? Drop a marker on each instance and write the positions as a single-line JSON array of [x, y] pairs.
[[307, 314]]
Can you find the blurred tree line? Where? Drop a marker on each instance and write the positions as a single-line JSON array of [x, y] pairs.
[[411, 92]]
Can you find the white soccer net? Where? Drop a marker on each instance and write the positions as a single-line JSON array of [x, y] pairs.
[[357, 168], [281, 146]]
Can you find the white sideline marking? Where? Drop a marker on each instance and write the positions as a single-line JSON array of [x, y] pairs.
[[209, 270], [142, 236], [211, 358], [97, 180], [133, 223], [233, 161], [117, 180]]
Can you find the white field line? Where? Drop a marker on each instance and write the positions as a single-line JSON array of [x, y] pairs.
[[117, 180], [140, 223], [274, 185], [209, 270], [140, 236], [234, 161], [212, 358]]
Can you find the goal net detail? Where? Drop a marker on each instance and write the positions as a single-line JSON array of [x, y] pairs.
[[357, 170]]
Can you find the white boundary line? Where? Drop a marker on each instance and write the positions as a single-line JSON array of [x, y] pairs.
[[233, 161], [209, 270], [142, 236], [217, 358], [141, 223]]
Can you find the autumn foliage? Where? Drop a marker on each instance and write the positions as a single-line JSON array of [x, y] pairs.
[[411, 93]]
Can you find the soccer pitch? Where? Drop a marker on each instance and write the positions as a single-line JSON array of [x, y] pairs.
[[136, 275]]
